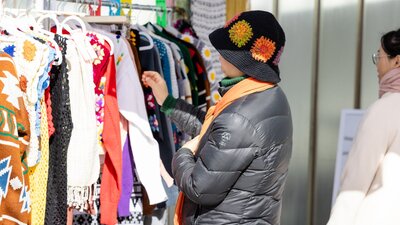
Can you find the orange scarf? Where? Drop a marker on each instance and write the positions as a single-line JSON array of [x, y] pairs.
[[243, 88]]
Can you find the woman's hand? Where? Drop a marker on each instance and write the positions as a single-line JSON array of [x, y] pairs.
[[157, 84], [192, 144]]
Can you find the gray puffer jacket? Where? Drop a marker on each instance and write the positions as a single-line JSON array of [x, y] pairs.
[[238, 173]]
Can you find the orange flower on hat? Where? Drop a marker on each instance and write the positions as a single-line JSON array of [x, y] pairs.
[[240, 33], [263, 49]]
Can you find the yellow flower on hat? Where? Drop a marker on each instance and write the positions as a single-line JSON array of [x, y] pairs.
[[240, 33], [263, 49]]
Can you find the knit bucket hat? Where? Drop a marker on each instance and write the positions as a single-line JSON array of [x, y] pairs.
[[252, 41]]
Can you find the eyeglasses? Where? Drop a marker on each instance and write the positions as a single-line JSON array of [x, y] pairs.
[[376, 56]]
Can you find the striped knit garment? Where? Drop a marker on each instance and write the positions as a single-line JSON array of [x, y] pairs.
[[207, 16]]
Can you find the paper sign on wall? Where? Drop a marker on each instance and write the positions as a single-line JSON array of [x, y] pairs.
[[349, 122]]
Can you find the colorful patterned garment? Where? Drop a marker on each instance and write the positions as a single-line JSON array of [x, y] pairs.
[[14, 138], [99, 78], [194, 58], [31, 58], [207, 16], [185, 28], [136, 207], [206, 55]]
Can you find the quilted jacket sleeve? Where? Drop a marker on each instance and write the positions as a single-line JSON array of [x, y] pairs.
[[226, 153], [187, 117]]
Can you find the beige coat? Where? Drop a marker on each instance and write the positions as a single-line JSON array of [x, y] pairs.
[[370, 190]]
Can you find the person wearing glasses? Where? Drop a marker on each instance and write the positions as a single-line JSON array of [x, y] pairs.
[[370, 185]]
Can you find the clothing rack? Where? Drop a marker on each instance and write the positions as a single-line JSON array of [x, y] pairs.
[[126, 5]]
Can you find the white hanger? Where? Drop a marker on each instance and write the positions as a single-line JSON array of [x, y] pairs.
[[151, 43], [109, 41], [79, 37], [9, 24], [68, 28], [147, 35], [47, 16], [40, 29]]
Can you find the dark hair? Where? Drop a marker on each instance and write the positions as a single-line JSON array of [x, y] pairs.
[[391, 43]]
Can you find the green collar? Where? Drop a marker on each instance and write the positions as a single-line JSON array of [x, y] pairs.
[[226, 82]]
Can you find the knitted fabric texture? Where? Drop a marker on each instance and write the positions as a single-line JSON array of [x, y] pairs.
[[56, 204], [38, 174], [83, 164], [206, 54], [207, 16], [32, 57], [253, 43], [14, 137]]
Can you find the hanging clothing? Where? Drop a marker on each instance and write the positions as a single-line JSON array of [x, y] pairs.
[[56, 203], [207, 16], [127, 181], [206, 55], [201, 56], [185, 28], [38, 175], [161, 126], [43, 84], [200, 82], [112, 169], [15, 205], [99, 78], [128, 85], [168, 67], [31, 58], [83, 164], [136, 208], [189, 67]]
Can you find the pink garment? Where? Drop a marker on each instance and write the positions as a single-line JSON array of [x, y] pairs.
[[390, 82]]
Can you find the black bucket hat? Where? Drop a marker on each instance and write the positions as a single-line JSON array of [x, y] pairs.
[[252, 41]]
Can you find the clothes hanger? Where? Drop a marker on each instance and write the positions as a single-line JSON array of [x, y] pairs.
[[146, 35], [114, 7], [64, 25], [9, 24], [79, 37], [151, 43], [94, 6], [41, 30], [107, 39]]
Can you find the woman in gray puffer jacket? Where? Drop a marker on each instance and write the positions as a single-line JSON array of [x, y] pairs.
[[235, 174]]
